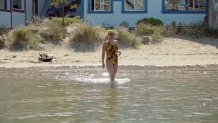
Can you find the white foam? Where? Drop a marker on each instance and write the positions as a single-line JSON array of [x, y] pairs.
[[105, 74], [102, 80]]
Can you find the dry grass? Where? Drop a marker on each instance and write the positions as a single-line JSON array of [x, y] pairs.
[[67, 20], [127, 39], [22, 38], [52, 31], [86, 38], [2, 42]]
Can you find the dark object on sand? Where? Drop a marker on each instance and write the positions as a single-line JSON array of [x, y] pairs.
[[45, 57]]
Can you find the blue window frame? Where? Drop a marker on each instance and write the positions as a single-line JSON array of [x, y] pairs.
[[134, 6], [184, 6], [100, 6]]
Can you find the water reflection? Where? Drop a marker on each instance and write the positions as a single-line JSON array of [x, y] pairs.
[[111, 102], [142, 94]]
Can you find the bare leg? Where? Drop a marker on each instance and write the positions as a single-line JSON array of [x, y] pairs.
[[115, 66], [111, 70], [115, 69]]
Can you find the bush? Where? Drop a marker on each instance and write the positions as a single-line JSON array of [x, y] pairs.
[[143, 29], [198, 29], [23, 39], [155, 32], [53, 32], [86, 38], [151, 21], [126, 39], [67, 20], [4, 30], [192, 29], [2, 42]]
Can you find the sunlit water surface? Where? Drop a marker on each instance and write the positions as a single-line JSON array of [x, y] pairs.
[[83, 94]]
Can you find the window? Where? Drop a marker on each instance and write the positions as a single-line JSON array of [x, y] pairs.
[[134, 6], [185, 6], [3, 5], [100, 5], [18, 4]]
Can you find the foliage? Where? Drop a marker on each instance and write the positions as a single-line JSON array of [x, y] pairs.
[[155, 32], [53, 31], [143, 29], [86, 38], [22, 39], [126, 39], [3, 30], [67, 20], [151, 21], [2, 42], [192, 29]]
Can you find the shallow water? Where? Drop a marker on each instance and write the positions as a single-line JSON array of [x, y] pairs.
[[83, 94]]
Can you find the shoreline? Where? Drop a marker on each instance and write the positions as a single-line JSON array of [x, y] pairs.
[[97, 65]]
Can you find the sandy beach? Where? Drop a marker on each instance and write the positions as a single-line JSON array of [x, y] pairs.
[[173, 51]]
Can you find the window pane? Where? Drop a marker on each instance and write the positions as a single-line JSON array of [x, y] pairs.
[[100, 5], [134, 5], [107, 5], [129, 5], [185, 5], [2, 4], [17, 4], [97, 4], [139, 4]]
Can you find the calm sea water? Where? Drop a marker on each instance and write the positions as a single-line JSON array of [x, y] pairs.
[[82, 94]]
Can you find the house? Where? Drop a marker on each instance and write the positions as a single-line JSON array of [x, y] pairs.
[[106, 12], [18, 12], [115, 12]]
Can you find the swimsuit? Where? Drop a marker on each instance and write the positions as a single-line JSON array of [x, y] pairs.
[[111, 51]]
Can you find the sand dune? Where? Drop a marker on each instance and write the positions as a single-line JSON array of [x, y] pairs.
[[175, 51]]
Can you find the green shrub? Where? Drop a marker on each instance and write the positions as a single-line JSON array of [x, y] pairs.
[[86, 38], [151, 21], [67, 20], [126, 39], [21, 34], [53, 32]]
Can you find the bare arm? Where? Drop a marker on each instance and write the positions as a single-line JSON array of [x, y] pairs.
[[103, 55], [118, 51]]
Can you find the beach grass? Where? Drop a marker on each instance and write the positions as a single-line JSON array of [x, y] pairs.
[[84, 37], [2, 42], [126, 39]]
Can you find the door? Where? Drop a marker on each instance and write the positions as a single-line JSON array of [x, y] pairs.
[[35, 8]]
